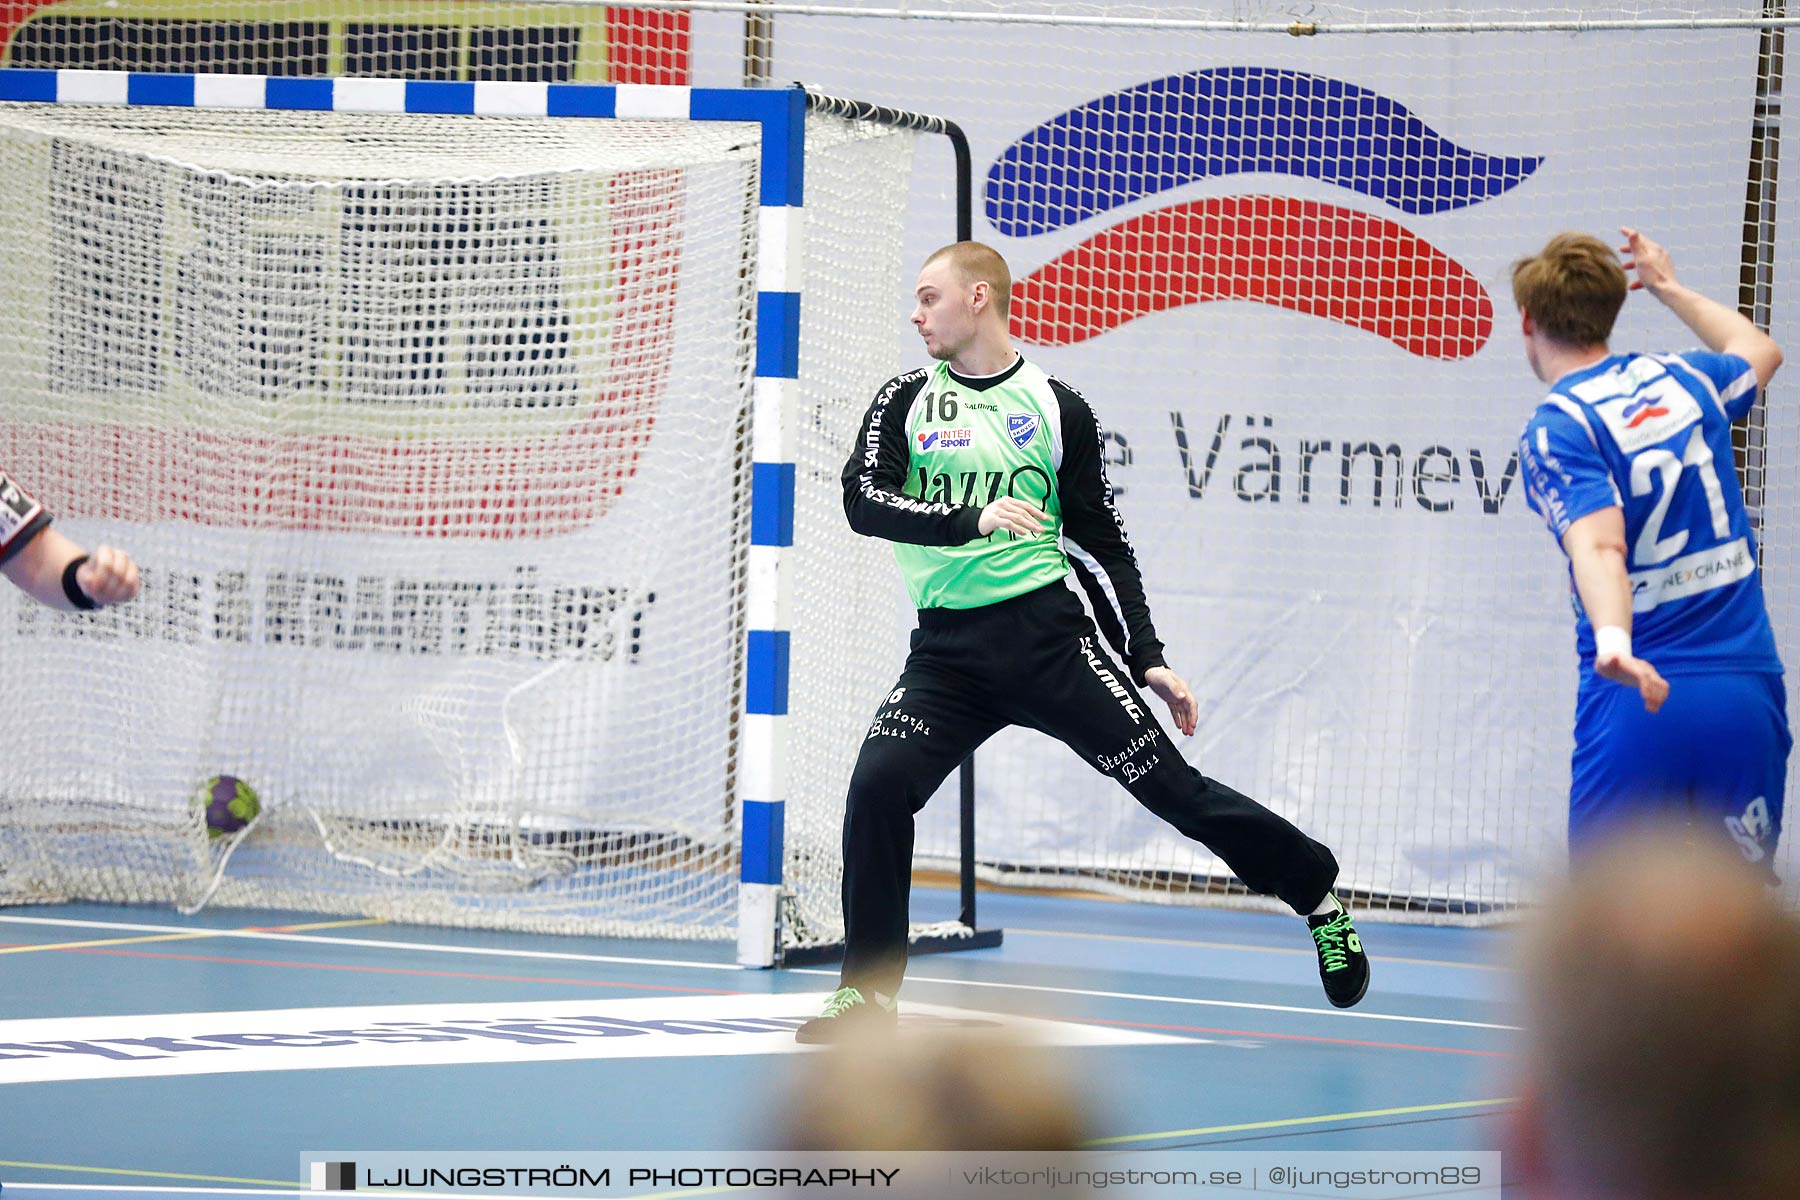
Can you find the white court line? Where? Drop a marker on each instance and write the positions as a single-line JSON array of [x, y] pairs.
[[1012, 931], [1283, 1008], [553, 955], [297, 1189], [432, 947], [163, 1190]]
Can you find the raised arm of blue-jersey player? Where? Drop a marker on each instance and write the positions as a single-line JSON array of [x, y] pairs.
[[1722, 329], [874, 478], [1111, 578]]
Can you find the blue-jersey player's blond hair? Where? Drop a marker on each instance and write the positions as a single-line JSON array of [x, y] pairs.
[[1572, 289]]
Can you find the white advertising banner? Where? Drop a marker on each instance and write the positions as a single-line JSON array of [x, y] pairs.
[[1279, 269]]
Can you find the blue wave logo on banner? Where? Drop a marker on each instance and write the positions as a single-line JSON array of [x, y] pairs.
[[1356, 268], [1159, 135]]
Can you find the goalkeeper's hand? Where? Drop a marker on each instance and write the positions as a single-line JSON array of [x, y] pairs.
[[1018, 517], [1633, 672], [1177, 695]]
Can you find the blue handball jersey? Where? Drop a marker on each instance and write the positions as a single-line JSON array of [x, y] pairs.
[[1651, 433]]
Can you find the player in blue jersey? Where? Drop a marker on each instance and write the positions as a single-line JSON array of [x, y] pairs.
[[49, 567], [1629, 461]]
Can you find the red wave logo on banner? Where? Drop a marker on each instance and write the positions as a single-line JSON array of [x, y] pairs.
[[1313, 258]]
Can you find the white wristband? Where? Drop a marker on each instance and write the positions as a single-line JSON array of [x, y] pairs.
[[1610, 640]]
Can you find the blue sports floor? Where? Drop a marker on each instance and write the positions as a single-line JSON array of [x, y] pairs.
[[457, 1043]]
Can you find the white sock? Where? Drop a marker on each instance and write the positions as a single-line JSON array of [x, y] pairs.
[[881, 1001], [1328, 905]]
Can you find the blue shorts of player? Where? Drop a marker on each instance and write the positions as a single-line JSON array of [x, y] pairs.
[[1714, 756]]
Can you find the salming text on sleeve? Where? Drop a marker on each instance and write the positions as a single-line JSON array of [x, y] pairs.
[[875, 477]]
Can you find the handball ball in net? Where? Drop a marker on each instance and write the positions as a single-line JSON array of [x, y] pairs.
[[228, 803]]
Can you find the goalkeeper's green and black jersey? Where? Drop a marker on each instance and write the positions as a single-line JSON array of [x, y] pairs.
[[936, 447]]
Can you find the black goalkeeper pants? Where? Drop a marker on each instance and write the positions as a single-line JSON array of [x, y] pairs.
[[1035, 660]]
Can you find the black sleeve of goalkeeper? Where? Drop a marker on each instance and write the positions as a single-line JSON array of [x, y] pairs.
[[874, 478]]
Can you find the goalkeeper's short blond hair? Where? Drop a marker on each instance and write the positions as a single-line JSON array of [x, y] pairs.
[[977, 262]]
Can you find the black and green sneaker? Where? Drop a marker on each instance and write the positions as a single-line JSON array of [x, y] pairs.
[[1343, 967], [848, 1014]]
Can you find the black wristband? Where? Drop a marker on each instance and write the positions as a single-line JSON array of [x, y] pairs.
[[72, 590]]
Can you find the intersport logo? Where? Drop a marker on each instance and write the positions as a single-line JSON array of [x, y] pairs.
[[946, 439], [1356, 268]]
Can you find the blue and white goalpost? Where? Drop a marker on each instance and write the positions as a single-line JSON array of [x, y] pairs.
[[458, 444]]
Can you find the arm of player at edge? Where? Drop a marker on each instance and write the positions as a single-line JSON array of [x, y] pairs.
[[107, 577]]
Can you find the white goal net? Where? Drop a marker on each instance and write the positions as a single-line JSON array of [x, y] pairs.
[[431, 434]]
